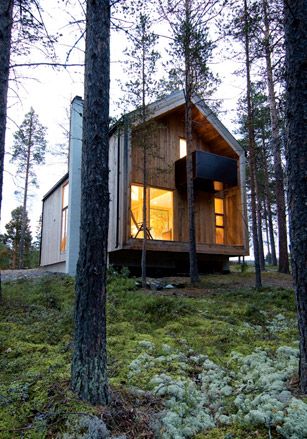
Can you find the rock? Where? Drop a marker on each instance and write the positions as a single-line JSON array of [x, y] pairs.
[[169, 287]]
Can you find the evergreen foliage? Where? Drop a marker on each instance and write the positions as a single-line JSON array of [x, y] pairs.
[[12, 238], [28, 151]]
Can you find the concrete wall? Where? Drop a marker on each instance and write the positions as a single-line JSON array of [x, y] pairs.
[[74, 202]]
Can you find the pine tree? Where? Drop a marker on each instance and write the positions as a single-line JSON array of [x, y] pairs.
[[190, 51], [19, 224], [141, 89], [28, 151], [296, 74], [89, 365]]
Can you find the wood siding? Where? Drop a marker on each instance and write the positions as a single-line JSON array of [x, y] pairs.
[[161, 174], [51, 233]]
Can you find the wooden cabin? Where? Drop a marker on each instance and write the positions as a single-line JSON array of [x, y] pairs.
[[219, 183]]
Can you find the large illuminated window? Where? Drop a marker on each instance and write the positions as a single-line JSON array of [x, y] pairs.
[[63, 243], [159, 213], [219, 220]]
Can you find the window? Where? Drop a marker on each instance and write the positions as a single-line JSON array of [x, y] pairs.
[[159, 213], [219, 220], [218, 186], [64, 217], [182, 148]]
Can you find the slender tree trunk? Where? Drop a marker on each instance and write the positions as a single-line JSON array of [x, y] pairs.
[[283, 262], [89, 365], [252, 158], [25, 198], [296, 77], [189, 164], [6, 21], [265, 215], [268, 205], [260, 237], [144, 247]]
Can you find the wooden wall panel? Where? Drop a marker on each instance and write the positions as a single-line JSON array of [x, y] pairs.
[[234, 217], [51, 233], [161, 174]]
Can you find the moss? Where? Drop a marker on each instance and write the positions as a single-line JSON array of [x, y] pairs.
[[36, 324]]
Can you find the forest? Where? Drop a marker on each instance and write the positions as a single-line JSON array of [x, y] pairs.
[[223, 357]]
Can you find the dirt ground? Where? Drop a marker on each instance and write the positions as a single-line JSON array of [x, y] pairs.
[[210, 284]]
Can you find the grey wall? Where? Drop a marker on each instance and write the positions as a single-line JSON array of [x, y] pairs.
[[74, 203]]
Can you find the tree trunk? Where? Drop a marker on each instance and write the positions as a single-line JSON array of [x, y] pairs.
[[283, 262], [252, 158], [265, 216], [268, 206], [260, 237], [6, 22], [144, 247], [89, 366], [296, 77], [25, 198], [189, 165]]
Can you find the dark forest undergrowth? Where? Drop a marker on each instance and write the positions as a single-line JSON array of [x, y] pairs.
[[216, 361]]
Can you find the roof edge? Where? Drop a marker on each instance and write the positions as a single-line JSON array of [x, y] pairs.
[[53, 189]]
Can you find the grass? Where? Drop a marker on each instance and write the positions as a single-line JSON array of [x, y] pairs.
[[36, 324]]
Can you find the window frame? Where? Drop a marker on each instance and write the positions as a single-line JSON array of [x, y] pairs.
[[64, 219], [148, 200], [221, 216]]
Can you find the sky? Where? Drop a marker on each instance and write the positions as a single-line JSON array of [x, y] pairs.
[[49, 91]]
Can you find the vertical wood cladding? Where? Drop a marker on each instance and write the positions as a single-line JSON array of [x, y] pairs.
[[163, 154]]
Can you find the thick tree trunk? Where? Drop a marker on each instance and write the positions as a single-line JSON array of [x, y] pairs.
[[6, 21], [252, 158], [89, 366], [296, 74], [25, 198], [283, 261]]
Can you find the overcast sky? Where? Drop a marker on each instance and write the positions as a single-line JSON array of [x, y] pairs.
[[50, 92]]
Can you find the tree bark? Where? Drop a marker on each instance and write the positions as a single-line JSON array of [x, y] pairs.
[[25, 198], [252, 158], [144, 247], [268, 206], [296, 117], [89, 365], [260, 237], [283, 261], [189, 165], [6, 22]]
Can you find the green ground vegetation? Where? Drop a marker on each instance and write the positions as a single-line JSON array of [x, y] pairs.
[[223, 314]]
